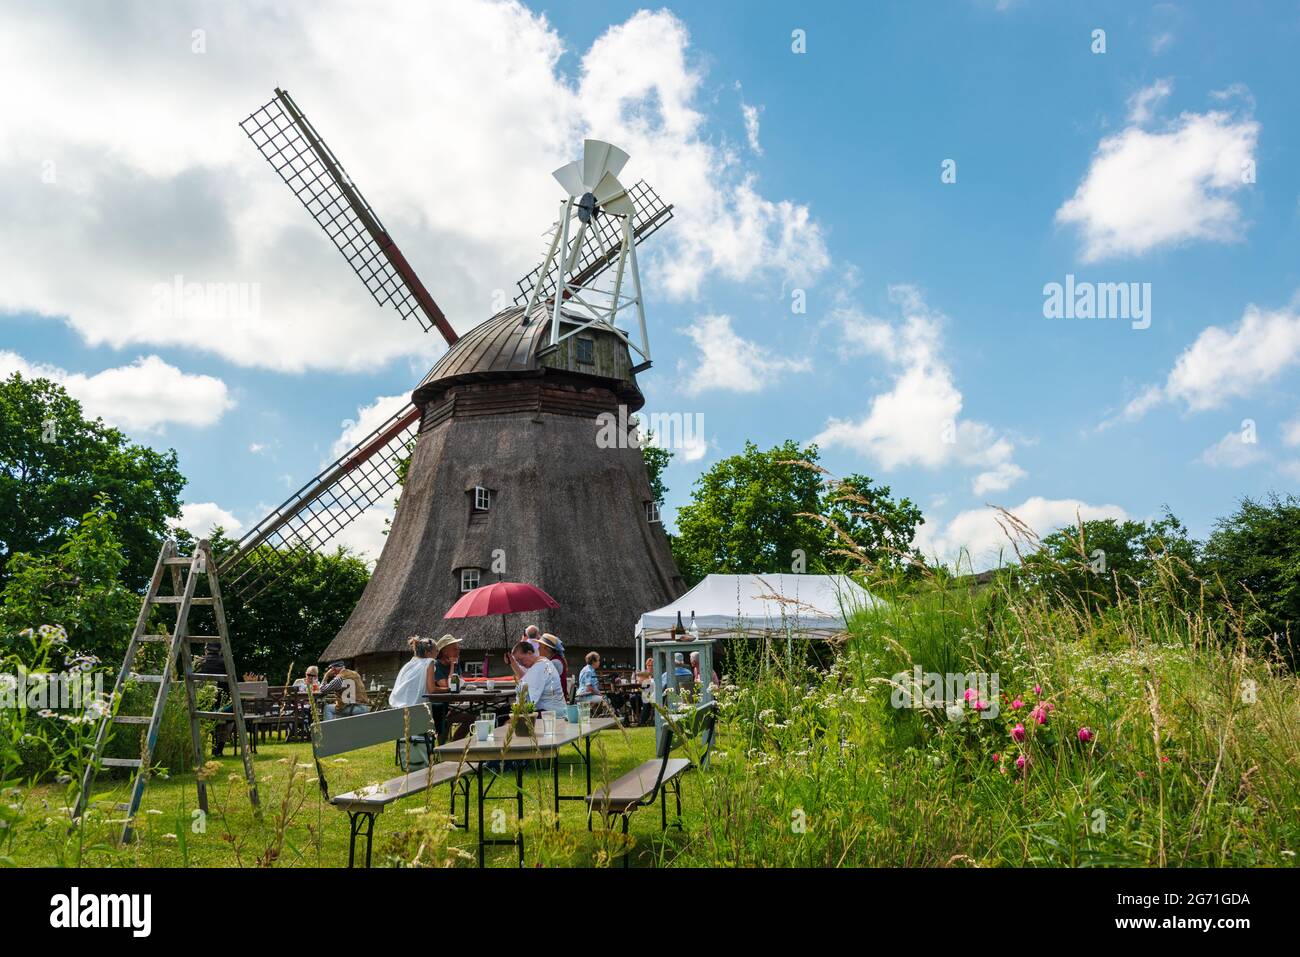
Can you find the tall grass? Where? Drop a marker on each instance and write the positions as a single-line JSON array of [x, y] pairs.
[[1192, 757]]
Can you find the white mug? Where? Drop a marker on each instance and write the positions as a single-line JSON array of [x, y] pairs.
[[482, 729]]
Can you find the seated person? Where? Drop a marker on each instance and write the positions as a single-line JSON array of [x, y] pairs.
[[309, 681], [415, 680], [680, 677], [552, 649], [695, 670], [350, 689], [447, 660], [589, 682], [536, 678]]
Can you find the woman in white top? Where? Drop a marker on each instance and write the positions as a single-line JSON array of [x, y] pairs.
[[415, 680]]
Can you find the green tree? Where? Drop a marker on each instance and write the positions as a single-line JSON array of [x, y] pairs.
[[55, 465], [78, 586], [656, 461], [295, 617], [1255, 553], [870, 527], [1101, 561], [762, 511]]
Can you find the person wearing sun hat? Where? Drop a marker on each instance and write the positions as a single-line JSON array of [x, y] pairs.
[[552, 649], [446, 652]]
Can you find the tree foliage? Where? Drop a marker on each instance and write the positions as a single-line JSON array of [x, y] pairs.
[[771, 511], [288, 625], [56, 466], [78, 586], [1255, 553]]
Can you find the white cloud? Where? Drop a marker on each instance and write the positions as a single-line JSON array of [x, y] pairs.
[[1145, 189], [166, 184], [977, 538], [1227, 363], [1143, 103], [1161, 42], [751, 114], [146, 395], [1291, 433], [998, 479], [198, 518], [365, 535], [918, 420], [369, 418], [1232, 452], [729, 363]]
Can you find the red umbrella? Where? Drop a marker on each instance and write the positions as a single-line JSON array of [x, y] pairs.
[[501, 598]]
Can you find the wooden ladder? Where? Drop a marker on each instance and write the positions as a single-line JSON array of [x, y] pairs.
[[174, 566]]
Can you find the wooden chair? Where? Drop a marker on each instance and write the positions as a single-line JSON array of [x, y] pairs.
[[363, 805], [654, 779]]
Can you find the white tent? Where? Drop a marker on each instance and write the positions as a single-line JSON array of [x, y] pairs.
[[811, 606]]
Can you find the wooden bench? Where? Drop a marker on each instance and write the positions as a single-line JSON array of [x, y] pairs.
[[363, 805], [655, 778]]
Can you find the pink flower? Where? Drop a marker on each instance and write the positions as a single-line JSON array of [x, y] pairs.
[[1085, 735], [1021, 762], [970, 693], [1040, 714], [1038, 689], [996, 757], [1018, 732], [979, 705], [1049, 706], [1164, 759], [1017, 705]]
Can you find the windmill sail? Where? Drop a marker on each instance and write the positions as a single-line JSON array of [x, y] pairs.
[[597, 246], [296, 151], [364, 477]]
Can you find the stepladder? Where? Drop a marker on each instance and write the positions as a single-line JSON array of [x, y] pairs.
[[175, 583]]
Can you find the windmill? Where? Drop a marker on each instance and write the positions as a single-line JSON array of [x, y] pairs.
[[501, 432]]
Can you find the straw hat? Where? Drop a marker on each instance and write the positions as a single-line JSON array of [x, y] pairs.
[[443, 642], [550, 641]]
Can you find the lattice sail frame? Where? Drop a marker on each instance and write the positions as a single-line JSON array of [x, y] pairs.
[[577, 258], [288, 141], [364, 477]]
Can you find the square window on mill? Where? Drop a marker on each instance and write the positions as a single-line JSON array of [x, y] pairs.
[[586, 350]]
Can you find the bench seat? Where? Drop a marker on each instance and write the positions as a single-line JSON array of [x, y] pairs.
[[632, 787], [375, 797]]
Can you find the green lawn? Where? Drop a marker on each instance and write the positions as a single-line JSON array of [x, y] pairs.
[[299, 828]]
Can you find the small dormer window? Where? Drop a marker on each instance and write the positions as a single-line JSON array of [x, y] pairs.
[[469, 578], [652, 513], [482, 498], [586, 350]]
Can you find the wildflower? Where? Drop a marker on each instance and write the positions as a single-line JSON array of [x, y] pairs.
[[955, 711], [1018, 733], [1164, 759], [1038, 690], [1085, 735], [970, 693], [1039, 714], [996, 757], [1021, 763], [1017, 705]]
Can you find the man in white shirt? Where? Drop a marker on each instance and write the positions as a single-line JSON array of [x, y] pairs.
[[536, 677]]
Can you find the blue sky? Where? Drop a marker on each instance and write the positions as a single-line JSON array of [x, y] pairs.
[[923, 358]]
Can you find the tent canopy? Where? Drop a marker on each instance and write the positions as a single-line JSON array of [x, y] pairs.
[[808, 605]]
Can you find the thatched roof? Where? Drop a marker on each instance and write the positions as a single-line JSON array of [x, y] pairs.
[[567, 515], [504, 347]]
